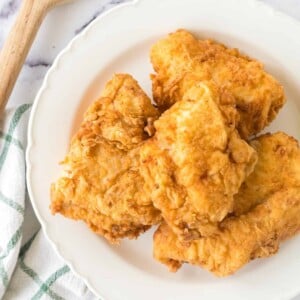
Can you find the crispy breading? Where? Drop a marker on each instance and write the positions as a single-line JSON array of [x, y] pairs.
[[180, 60], [102, 185], [272, 217], [196, 162], [278, 168]]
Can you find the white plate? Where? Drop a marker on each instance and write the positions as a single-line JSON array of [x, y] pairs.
[[120, 42]]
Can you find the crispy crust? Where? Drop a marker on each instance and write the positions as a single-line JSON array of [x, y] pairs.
[[102, 184], [180, 61], [278, 168], [196, 162], [257, 229]]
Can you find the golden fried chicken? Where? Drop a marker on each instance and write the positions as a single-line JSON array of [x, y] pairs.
[[196, 162], [274, 214], [180, 60], [102, 185], [278, 168]]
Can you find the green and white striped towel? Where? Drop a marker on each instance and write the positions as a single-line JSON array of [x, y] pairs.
[[29, 267]]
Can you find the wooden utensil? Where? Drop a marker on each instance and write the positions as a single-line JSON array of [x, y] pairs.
[[19, 41]]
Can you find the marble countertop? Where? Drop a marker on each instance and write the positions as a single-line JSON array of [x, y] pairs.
[[72, 18]]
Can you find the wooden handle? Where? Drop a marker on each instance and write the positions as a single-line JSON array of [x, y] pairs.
[[18, 43]]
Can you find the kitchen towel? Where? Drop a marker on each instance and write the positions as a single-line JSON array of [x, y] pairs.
[[29, 267]]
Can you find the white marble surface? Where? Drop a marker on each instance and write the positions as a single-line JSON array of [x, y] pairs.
[[60, 26]]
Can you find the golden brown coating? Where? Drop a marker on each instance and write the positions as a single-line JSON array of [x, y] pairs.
[[196, 162], [102, 185], [180, 60], [274, 216], [278, 168], [253, 235]]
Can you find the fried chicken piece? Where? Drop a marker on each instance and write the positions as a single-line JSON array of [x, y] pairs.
[[102, 185], [274, 215], [278, 168], [196, 162], [180, 60]]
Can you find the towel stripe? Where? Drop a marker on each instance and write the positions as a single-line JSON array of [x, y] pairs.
[[12, 126], [26, 246], [12, 243], [50, 281], [44, 287], [11, 139], [3, 275], [12, 204], [32, 274]]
